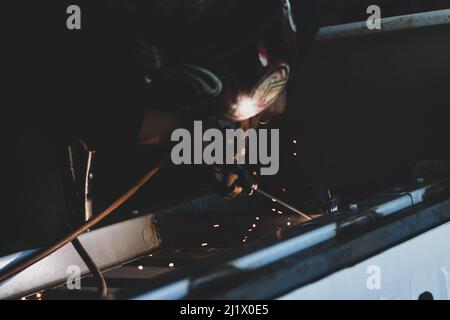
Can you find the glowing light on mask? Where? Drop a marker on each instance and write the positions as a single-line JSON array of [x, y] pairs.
[[245, 108]]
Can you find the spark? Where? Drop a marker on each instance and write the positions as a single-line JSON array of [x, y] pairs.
[[216, 226], [257, 218], [254, 225], [274, 210], [38, 295], [140, 267], [294, 141], [267, 195], [23, 298], [205, 244], [295, 154], [280, 212], [288, 224], [171, 265]]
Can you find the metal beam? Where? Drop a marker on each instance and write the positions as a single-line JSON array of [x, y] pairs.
[[410, 21], [109, 247]]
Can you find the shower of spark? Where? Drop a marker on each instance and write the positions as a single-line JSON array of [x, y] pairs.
[[274, 199]]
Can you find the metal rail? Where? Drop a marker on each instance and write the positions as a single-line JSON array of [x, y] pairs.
[[410, 21]]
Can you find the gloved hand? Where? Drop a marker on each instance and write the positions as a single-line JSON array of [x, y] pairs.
[[233, 180]]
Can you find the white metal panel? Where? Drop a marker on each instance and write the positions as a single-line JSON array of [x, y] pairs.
[[108, 246], [419, 265]]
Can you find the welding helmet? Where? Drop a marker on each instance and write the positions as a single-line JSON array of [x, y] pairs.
[[222, 81]]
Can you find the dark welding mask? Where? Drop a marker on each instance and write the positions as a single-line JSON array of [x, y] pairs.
[[233, 84]]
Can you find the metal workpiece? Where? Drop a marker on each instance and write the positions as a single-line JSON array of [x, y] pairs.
[[392, 201], [407, 273], [373, 210], [109, 246], [406, 196], [345, 226], [405, 22], [277, 279], [334, 254], [127, 249]]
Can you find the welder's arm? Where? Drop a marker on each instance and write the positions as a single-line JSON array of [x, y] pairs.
[[230, 180], [235, 180]]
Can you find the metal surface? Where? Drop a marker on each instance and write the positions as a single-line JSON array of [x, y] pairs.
[[402, 272], [286, 248], [109, 246], [173, 291], [373, 211], [346, 250], [314, 251], [411, 21]]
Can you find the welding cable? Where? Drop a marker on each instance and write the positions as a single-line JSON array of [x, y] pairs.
[[96, 273], [6, 274], [102, 287]]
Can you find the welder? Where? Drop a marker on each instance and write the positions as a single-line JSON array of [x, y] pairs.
[[134, 72], [207, 59]]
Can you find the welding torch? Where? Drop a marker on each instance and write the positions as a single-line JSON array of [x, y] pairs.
[[245, 183]]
